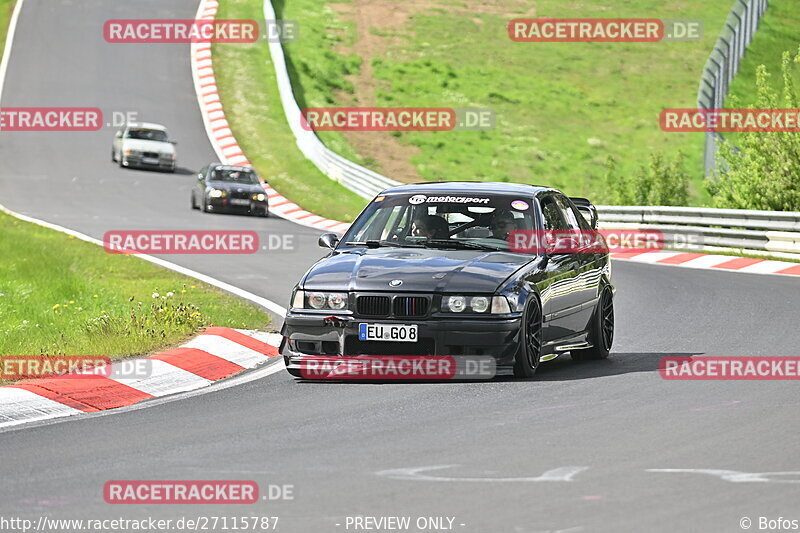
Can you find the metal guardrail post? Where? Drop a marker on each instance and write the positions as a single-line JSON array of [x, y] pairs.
[[742, 23]]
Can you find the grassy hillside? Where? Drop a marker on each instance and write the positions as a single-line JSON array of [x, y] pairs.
[[779, 32], [249, 93], [562, 108]]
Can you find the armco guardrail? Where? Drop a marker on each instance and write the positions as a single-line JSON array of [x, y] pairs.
[[772, 233], [358, 179], [723, 64]]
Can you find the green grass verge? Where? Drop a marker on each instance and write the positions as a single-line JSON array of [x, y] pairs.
[[777, 33], [6, 8], [248, 90], [562, 108], [63, 296]]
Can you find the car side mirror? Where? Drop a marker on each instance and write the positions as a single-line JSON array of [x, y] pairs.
[[118, 135], [173, 142], [328, 240]]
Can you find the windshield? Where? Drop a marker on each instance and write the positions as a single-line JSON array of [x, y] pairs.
[[234, 176], [465, 221], [147, 134]]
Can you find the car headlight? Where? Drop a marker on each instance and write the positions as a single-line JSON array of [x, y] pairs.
[[260, 197], [455, 304], [168, 156], [479, 304], [475, 304], [131, 152], [335, 301], [216, 193]]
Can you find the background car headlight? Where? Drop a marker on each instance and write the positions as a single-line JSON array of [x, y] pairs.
[[131, 152], [168, 156], [259, 197], [216, 193], [335, 301]]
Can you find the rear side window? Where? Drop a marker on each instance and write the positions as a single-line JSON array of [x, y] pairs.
[[553, 215], [570, 216]]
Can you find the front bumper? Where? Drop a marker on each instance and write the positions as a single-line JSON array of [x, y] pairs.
[[139, 161], [307, 334], [224, 205]]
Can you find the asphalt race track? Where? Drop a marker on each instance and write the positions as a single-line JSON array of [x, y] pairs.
[[474, 451]]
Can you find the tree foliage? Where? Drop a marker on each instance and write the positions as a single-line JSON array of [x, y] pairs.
[[762, 171]]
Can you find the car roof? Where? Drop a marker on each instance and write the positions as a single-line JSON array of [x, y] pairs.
[[147, 125], [469, 187]]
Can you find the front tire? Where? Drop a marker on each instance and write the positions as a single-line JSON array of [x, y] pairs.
[[530, 351], [602, 334], [194, 202]]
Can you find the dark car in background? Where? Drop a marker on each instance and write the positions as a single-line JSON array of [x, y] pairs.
[[230, 189], [429, 269]]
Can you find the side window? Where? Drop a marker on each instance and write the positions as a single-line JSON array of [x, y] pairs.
[[569, 215], [552, 215]]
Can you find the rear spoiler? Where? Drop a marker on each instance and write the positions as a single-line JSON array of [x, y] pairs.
[[587, 209]]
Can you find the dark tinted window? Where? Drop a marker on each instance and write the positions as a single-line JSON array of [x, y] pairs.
[[147, 134], [570, 216], [234, 176], [552, 214], [473, 218]]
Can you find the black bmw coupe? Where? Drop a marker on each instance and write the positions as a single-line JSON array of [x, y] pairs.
[[433, 270], [229, 189]]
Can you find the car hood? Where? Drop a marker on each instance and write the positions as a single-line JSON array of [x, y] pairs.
[[421, 270], [144, 145], [228, 185]]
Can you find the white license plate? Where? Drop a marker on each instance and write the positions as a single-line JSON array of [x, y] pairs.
[[150, 160], [387, 332], [239, 201]]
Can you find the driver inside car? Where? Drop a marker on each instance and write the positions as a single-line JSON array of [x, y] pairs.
[[431, 226], [502, 224]]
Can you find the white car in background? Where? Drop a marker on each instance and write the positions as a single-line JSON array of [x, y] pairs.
[[145, 145]]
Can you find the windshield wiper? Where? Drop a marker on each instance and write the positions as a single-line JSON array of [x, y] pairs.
[[465, 245], [378, 244]]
